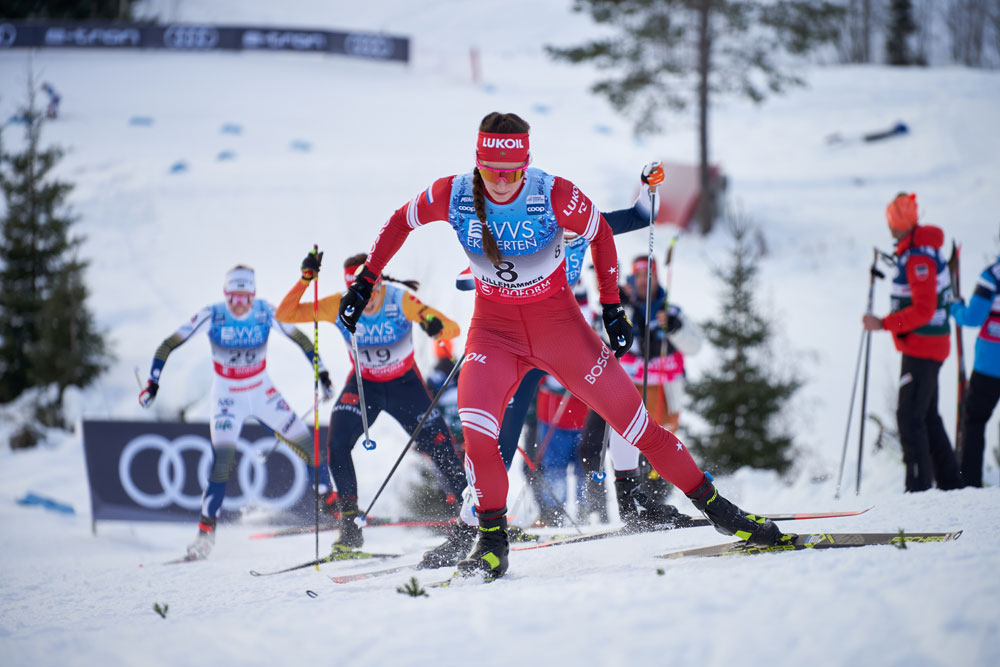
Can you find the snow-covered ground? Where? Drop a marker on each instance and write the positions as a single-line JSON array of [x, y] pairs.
[[378, 134]]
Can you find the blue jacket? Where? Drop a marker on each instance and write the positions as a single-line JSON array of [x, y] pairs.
[[984, 311]]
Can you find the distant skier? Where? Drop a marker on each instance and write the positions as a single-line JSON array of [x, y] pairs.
[[52, 109], [238, 329], [392, 383], [510, 220], [984, 384], [921, 292]]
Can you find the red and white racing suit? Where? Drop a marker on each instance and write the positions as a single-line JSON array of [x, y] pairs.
[[533, 323]]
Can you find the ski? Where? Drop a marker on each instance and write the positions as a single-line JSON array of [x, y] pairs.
[[371, 574], [370, 523], [815, 541], [183, 559], [963, 381], [690, 522], [334, 557]]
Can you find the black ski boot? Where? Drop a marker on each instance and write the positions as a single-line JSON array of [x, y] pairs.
[[637, 511], [350, 532], [489, 558], [729, 519], [461, 537]]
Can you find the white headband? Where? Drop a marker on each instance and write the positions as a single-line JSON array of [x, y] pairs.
[[240, 280]]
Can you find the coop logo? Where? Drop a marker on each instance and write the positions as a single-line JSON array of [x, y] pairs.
[[8, 34], [171, 473], [107, 37], [191, 37], [497, 142], [284, 39], [368, 46]]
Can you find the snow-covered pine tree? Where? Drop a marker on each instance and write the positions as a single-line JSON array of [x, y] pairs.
[[47, 334], [741, 397]]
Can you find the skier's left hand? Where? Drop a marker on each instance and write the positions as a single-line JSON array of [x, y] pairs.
[[619, 328], [653, 175], [327, 386], [871, 322]]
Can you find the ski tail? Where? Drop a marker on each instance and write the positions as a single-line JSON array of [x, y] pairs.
[[815, 541]]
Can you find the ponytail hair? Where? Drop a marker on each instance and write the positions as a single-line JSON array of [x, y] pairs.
[[490, 247], [359, 259]]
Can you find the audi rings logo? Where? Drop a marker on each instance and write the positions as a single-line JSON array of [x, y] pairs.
[[191, 37], [171, 472], [369, 46], [8, 34]]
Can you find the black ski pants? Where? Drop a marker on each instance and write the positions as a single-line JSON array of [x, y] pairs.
[[984, 391], [927, 451]]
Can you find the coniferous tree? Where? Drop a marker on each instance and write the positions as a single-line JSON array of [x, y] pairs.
[[67, 9], [47, 335], [671, 53], [741, 399], [901, 26]]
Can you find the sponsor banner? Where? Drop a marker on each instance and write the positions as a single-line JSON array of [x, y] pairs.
[[201, 37], [157, 471]]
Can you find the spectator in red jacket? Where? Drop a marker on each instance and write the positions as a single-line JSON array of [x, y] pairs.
[[921, 293]]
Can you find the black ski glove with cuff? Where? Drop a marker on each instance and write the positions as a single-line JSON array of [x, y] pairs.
[[619, 328], [353, 302]]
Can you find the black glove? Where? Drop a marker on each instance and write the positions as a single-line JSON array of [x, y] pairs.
[[431, 325], [311, 264], [324, 382], [619, 329], [673, 323], [353, 302], [147, 395]]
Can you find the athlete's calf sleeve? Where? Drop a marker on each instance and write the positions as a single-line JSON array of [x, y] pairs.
[[670, 458], [222, 463], [484, 467]]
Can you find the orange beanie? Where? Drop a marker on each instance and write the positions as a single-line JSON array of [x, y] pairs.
[[902, 212]]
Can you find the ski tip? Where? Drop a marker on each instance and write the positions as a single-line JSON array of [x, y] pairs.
[[254, 573]]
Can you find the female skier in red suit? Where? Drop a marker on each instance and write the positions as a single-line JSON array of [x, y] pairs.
[[510, 219]]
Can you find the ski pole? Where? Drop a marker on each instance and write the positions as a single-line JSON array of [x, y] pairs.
[[649, 295], [850, 412], [264, 456], [548, 436], [541, 477], [599, 475], [368, 444], [875, 273], [316, 397], [963, 382], [666, 292], [362, 518]]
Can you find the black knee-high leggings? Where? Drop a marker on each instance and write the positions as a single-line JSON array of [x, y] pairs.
[[405, 399]]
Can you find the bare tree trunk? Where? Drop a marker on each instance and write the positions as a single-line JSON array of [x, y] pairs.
[[866, 31], [966, 22], [705, 212]]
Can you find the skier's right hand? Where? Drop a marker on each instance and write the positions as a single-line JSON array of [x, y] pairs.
[[653, 175], [353, 302], [311, 264], [147, 395]]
